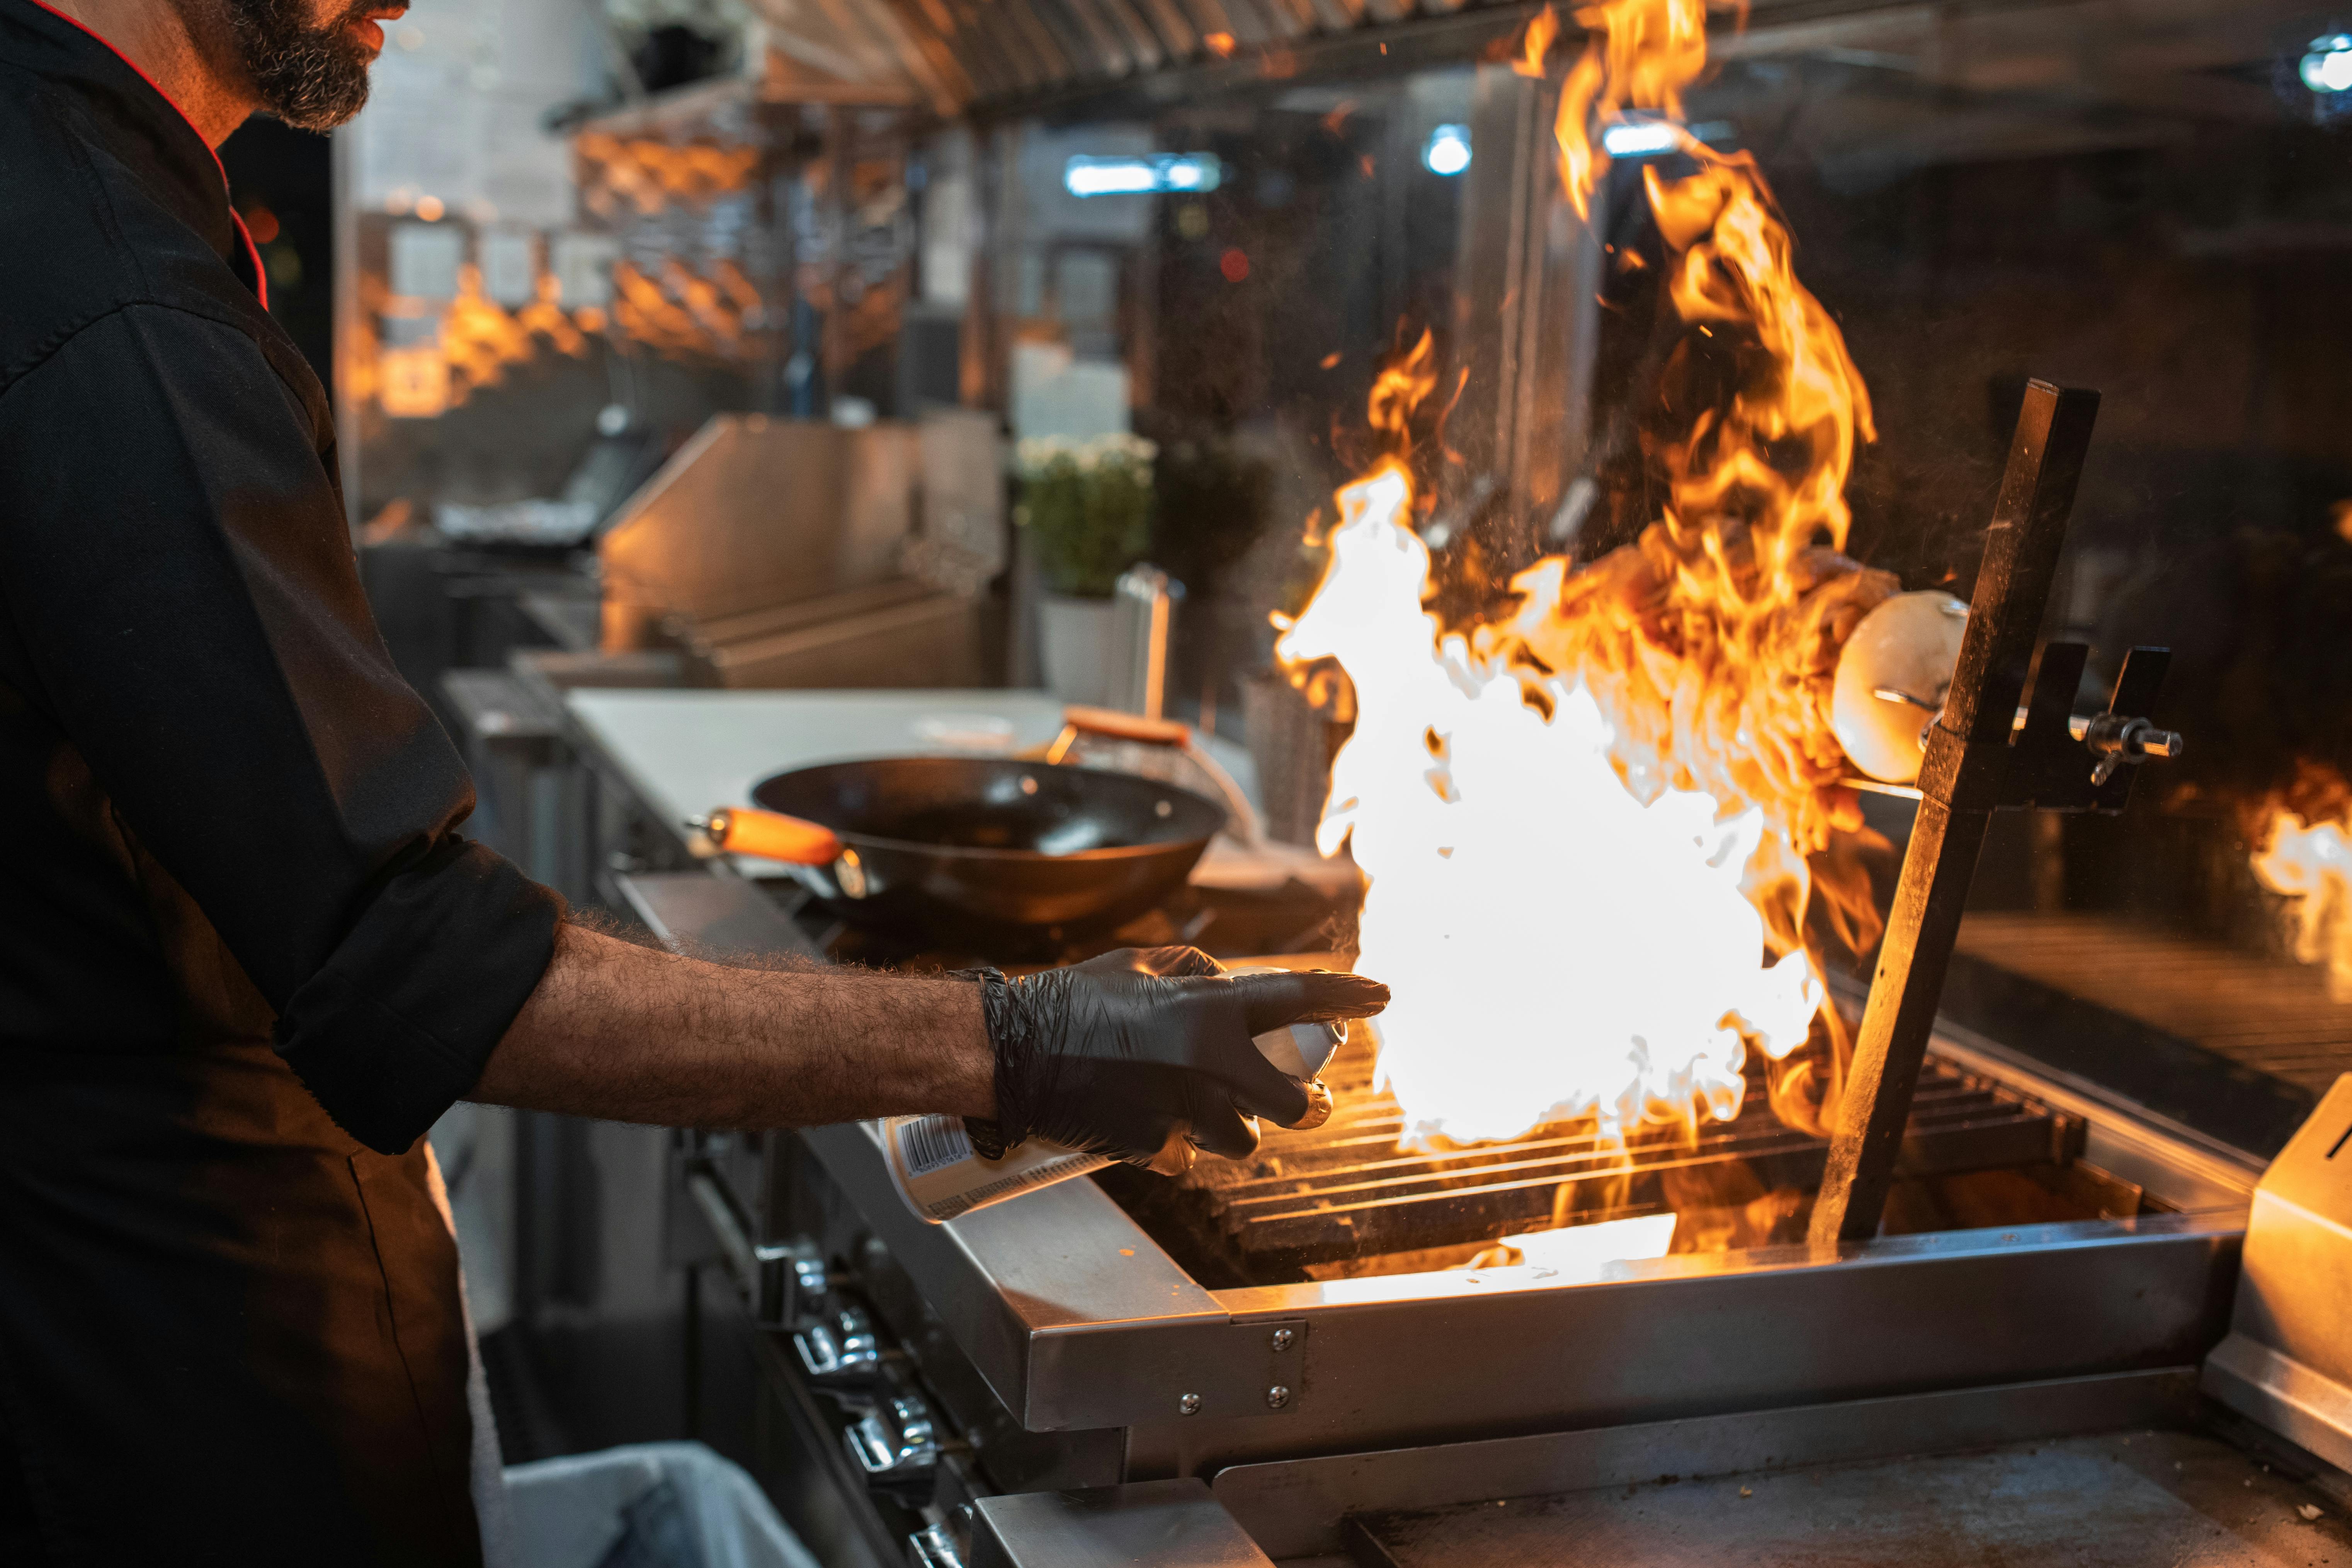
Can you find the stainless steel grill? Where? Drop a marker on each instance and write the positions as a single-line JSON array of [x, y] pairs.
[[2079, 1267], [1345, 1194]]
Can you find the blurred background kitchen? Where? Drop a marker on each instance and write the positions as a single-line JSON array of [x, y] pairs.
[[688, 354]]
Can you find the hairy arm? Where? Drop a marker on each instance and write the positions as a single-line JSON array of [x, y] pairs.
[[634, 1033]]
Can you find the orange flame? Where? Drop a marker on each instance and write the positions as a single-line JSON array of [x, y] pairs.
[[1643, 54], [1541, 30], [1694, 668], [2303, 840], [1398, 393]]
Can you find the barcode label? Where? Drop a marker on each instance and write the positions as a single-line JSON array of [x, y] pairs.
[[1038, 1176], [933, 1143]]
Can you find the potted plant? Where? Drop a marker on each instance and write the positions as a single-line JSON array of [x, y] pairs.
[[1087, 507]]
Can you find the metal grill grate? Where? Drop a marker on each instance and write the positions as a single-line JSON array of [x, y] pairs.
[[1346, 1191]]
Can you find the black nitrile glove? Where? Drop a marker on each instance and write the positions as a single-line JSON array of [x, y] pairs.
[[1145, 1054]]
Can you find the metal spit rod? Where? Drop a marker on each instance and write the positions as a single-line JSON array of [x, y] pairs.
[[1961, 784]]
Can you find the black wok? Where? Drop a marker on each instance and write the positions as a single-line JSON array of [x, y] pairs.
[[976, 848]]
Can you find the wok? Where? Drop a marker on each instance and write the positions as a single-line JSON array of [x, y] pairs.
[[984, 850]]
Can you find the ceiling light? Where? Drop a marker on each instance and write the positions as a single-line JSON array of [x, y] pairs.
[[1193, 173], [2328, 67], [1447, 152]]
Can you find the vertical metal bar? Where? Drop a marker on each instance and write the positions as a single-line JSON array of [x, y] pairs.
[[1960, 782]]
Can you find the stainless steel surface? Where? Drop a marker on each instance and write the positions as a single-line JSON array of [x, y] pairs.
[[696, 911], [1144, 613], [2307, 1409], [756, 512], [1294, 1508], [2118, 1499], [1054, 1343], [1164, 1524], [1075, 1319], [2176, 1165], [895, 634], [2288, 1361]]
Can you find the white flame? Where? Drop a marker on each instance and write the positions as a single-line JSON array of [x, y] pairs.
[[1554, 947], [2312, 864]]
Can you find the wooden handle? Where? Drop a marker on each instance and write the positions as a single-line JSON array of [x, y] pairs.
[[772, 835], [1119, 726]]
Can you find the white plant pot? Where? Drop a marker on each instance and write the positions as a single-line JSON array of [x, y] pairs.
[[1073, 646]]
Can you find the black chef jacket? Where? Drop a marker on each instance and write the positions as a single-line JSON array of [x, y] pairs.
[[245, 957]]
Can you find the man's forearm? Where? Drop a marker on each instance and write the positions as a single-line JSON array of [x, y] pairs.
[[633, 1034]]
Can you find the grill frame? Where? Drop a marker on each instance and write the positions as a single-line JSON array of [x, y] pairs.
[[1075, 1319]]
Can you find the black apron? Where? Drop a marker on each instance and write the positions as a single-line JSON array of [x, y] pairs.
[[228, 1332]]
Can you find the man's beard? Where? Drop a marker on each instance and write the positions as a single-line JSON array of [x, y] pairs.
[[308, 76]]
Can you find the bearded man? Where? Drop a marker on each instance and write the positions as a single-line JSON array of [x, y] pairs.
[[246, 957]]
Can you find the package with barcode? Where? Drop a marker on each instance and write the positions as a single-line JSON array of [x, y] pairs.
[[941, 1176]]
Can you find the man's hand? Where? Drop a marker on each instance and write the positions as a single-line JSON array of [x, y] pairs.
[[1141, 1054], [1146, 1054]]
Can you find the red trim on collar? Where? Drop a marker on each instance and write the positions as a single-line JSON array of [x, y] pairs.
[[260, 278], [252, 254]]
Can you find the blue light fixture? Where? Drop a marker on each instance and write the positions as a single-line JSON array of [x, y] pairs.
[[1193, 174], [2328, 67], [1641, 138], [1448, 151]]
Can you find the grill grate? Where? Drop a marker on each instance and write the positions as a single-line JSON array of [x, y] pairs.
[[1346, 1191]]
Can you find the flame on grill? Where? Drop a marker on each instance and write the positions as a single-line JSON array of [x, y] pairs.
[[2304, 851], [1591, 822]]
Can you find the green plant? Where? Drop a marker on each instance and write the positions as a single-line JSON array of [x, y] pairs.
[[1087, 507]]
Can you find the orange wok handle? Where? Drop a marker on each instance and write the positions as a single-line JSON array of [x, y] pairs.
[[1110, 723], [771, 836], [1117, 726]]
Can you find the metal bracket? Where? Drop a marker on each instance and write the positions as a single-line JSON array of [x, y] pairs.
[[1219, 1370], [2055, 766], [1972, 767]]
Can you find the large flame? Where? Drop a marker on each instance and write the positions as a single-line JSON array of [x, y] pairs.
[[2311, 863], [2303, 850], [1591, 950], [1587, 822]]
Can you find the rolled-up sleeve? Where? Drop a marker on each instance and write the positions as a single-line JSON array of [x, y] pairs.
[[177, 571]]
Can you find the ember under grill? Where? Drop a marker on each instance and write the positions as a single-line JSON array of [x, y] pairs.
[[1345, 1199]]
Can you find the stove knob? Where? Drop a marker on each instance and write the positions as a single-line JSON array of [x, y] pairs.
[[933, 1547], [843, 1350], [791, 1281], [894, 1441]]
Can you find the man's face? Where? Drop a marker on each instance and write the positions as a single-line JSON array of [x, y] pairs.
[[309, 59]]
